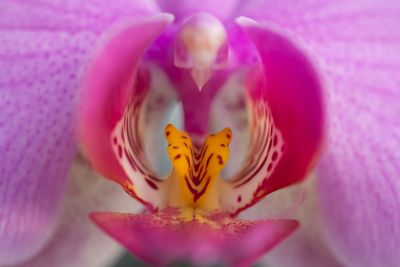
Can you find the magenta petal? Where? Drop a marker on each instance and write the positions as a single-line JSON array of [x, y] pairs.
[[107, 86], [162, 238], [43, 45], [289, 84], [359, 177]]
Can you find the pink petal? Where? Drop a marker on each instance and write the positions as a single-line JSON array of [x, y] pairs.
[[182, 8], [77, 242], [359, 186], [43, 46], [107, 87], [357, 45], [289, 85], [162, 238]]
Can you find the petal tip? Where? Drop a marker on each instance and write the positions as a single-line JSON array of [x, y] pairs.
[[246, 22], [167, 17]]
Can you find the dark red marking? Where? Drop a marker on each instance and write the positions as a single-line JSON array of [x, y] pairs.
[[269, 168], [274, 156], [151, 184], [208, 160], [167, 133], [188, 161], [220, 161], [177, 156], [239, 198], [175, 147], [228, 136], [184, 137], [120, 152], [196, 194], [223, 145], [275, 140], [115, 140]]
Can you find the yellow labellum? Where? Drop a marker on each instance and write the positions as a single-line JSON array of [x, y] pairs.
[[196, 169]]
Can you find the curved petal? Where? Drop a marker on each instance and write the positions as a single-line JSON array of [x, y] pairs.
[[287, 106], [76, 235], [357, 45], [361, 169], [163, 238], [229, 110], [43, 46], [182, 8], [107, 88]]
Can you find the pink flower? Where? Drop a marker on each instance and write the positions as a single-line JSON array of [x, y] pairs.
[[277, 66]]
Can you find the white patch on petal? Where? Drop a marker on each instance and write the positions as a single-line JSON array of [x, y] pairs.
[[266, 149], [161, 108], [142, 116], [230, 109]]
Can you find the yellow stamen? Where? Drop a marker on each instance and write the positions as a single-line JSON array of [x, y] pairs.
[[196, 169]]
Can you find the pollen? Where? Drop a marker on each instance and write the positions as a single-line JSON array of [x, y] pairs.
[[196, 169]]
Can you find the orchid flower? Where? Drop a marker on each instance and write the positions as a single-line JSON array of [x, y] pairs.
[[256, 81]]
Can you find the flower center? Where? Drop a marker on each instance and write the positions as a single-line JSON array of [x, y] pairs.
[[201, 46], [196, 169]]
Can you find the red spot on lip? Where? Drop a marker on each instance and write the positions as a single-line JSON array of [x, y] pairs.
[[115, 140], [151, 184], [274, 156], [167, 133], [269, 168], [228, 136], [120, 151], [275, 140], [239, 198], [177, 156], [223, 145]]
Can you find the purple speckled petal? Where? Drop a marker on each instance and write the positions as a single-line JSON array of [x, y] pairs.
[[43, 46], [357, 45], [359, 185], [182, 8]]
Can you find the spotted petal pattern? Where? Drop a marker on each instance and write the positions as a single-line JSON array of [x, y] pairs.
[[357, 47], [42, 46]]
